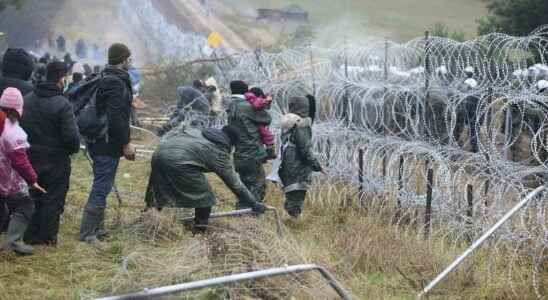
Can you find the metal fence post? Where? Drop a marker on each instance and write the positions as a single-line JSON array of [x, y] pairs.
[[312, 72], [428, 210], [386, 59], [360, 177], [470, 209]]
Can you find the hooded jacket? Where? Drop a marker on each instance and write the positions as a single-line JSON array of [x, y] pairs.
[[50, 124], [298, 159], [178, 165], [114, 97]]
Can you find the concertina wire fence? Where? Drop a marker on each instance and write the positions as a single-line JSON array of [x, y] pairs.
[[444, 137]]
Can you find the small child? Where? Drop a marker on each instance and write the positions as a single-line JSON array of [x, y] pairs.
[[260, 101], [16, 172]]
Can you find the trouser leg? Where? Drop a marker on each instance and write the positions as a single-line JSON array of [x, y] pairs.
[[4, 217], [55, 178], [253, 176], [294, 203], [104, 174]]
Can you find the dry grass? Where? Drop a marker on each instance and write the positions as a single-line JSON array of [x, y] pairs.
[[373, 258]]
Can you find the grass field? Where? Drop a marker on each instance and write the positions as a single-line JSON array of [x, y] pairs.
[[371, 257], [396, 19]]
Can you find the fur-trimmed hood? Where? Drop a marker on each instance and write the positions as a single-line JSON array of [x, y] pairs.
[[290, 120]]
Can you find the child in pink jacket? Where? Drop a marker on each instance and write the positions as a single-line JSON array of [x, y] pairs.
[[260, 101], [16, 172]]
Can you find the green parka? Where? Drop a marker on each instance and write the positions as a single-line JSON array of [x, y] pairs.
[[244, 117], [298, 159], [178, 167]]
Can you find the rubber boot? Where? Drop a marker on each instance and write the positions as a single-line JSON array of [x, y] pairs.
[[91, 222], [102, 233], [16, 230], [201, 220]]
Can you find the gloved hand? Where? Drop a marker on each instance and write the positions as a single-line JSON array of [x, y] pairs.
[[258, 207], [271, 152]]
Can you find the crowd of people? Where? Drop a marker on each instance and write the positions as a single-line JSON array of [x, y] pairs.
[[40, 128]]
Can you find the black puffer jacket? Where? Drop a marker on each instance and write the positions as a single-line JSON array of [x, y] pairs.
[[114, 98], [49, 121]]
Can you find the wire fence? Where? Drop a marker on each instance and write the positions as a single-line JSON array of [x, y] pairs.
[[443, 136]]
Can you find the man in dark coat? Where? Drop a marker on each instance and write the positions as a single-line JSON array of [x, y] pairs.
[[53, 135], [17, 70], [178, 167], [250, 154], [114, 97]]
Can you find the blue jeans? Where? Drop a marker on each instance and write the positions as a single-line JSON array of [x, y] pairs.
[[104, 173]]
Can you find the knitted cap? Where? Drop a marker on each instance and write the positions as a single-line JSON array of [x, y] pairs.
[[17, 63], [117, 54], [238, 87], [12, 98], [542, 85], [55, 71]]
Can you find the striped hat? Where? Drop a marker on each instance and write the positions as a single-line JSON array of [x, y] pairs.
[[12, 98]]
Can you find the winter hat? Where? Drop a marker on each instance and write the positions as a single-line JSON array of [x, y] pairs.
[[542, 85], [258, 92], [469, 70], [300, 106], [471, 82], [233, 134], [441, 70], [17, 63], [117, 54], [55, 71], [238, 87], [12, 98]]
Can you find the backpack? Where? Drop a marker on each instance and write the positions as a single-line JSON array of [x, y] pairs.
[[92, 125]]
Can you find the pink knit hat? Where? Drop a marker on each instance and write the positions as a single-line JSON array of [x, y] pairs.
[[12, 98]]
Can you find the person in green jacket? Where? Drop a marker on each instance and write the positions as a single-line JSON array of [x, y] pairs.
[[178, 172], [297, 159], [250, 153]]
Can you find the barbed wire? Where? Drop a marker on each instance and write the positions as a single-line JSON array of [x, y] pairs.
[[474, 112]]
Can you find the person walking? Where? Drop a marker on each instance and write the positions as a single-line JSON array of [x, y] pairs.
[[250, 153], [114, 97], [297, 159]]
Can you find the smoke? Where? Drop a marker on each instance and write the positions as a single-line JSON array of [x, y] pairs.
[[346, 27], [162, 39]]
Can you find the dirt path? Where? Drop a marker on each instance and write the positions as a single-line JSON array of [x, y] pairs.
[[195, 13]]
